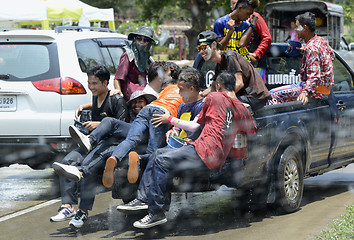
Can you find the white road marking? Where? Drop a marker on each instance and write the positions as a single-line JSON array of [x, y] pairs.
[[28, 210]]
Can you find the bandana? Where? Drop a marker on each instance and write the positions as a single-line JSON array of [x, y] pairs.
[[141, 54]]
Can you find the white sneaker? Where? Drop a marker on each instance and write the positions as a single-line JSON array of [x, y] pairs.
[[64, 213], [79, 219], [80, 138], [67, 171]]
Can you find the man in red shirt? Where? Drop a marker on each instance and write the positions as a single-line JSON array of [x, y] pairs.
[[222, 117]]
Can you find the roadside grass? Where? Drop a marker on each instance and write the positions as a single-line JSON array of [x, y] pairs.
[[340, 229]]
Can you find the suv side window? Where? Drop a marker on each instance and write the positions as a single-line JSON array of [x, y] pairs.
[[342, 78], [112, 56], [88, 54], [105, 52]]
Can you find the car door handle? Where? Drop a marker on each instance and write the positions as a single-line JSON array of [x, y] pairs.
[[341, 105]]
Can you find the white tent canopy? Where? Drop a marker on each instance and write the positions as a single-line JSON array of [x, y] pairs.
[[23, 12]]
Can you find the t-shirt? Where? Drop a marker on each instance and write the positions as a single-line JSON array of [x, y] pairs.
[[113, 106], [254, 86], [293, 35], [223, 117], [131, 78], [221, 29], [170, 99], [187, 112]]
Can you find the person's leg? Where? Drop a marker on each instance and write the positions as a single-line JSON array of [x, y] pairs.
[[157, 136], [137, 129], [167, 164], [156, 140], [109, 127], [68, 189], [92, 171], [146, 178]]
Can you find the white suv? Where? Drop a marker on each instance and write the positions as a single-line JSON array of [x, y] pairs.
[[42, 81]]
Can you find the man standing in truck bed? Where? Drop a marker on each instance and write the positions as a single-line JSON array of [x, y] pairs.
[[317, 66]]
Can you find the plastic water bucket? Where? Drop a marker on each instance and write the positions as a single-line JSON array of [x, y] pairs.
[[291, 51], [175, 142]]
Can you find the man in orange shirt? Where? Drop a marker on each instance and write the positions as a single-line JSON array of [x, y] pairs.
[[168, 100]]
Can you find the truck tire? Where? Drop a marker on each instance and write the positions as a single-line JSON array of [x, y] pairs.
[[289, 181]]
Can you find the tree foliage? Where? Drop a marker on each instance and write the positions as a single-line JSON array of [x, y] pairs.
[[197, 13]]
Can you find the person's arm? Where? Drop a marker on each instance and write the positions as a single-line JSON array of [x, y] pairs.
[[190, 126], [266, 39], [219, 30], [224, 40], [117, 88], [239, 81], [246, 37], [313, 76]]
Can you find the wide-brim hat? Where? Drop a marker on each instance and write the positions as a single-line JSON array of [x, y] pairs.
[[143, 31], [148, 97]]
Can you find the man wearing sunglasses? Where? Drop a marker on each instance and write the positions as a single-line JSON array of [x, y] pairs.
[[250, 88], [132, 70]]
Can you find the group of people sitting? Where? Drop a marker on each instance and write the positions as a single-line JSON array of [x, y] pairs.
[[131, 123]]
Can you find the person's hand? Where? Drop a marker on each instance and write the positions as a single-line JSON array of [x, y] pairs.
[[254, 19], [160, 118], [253, 58], [231, 24], [169, 133], [78, 112], [303, 98], [91, 125], [115, 92], [301, 49]]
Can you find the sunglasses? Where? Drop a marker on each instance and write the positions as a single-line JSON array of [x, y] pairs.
[[142, 39], [202, 47]]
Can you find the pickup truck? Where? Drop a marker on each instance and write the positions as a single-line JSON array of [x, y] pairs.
[[293, 141]]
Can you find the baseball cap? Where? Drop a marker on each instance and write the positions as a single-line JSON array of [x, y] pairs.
[[207, 36]]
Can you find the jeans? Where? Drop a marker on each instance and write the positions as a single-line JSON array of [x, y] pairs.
[[109, 127], [164, 164], [92, 166], [139, 127]]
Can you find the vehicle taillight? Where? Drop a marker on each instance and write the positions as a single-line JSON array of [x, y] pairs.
[[239, 149], [64, 86]]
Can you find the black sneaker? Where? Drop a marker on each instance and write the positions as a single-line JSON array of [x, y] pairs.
[[150, 220], [79, 219], [133, 206]]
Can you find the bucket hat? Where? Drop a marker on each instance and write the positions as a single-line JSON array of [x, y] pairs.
[[143, 31], [148, 97]]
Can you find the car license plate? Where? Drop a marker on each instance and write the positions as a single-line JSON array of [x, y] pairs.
[[8, 103]]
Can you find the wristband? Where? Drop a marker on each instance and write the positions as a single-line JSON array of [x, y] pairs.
[[170, 118], [253, 26]]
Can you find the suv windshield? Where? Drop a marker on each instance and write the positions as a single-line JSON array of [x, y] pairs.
[[25, 61]]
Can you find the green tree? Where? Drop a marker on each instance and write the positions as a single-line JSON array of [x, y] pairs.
[[198, 13]]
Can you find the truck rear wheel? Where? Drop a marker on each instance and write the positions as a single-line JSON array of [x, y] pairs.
[[290, 180]]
